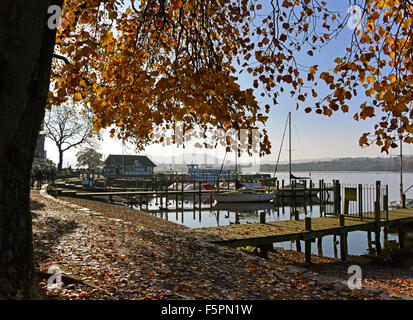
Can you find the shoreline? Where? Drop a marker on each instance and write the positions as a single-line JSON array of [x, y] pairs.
[[240, 275]]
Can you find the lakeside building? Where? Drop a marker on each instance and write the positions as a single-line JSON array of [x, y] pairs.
[[128, 166]]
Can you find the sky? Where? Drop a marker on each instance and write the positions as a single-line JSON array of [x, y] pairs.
[[313, 136]]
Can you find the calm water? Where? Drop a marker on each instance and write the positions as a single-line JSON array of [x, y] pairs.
[[196, 213]]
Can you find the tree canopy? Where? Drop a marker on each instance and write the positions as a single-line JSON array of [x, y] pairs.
[[89, 158], [68, 128], [145, 65]]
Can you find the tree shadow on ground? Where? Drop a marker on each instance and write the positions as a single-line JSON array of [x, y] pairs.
[[36, 205], [52, 230]]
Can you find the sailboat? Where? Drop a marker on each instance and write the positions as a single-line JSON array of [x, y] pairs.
[[295, 189], [403, 203], [242, 194]]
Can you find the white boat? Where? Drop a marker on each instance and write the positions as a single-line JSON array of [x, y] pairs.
[[243, 196]]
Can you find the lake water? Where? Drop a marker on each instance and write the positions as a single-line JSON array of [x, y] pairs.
[[194, 213]]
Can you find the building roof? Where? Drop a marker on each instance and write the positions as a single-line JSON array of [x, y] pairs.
[[128, 160]]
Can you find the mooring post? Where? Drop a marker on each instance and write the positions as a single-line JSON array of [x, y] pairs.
[[321, 193], [182, 192], [307, 242], [369, 241], [320, 246], [335, 245], [193, 193], [311, 187], [199, 194], [262, 217], [297, 217], [385, 236], [343, 240], [337, 197], [386, 205], [378, 192], [176, 194], [360, 198], [166, 196], [311, 195], [377, 227]]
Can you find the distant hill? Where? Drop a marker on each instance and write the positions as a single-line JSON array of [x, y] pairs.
[[347, 164], [179, 162]]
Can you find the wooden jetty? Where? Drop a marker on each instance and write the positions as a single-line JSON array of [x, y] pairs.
[[343, 209], [264, 234]]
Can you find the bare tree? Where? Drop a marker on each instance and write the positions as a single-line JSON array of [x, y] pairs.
[[69, 129]]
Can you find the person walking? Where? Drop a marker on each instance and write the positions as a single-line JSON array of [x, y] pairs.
[[53, 175], [39, 178]]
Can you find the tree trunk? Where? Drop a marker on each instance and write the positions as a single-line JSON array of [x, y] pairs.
[[60, 164], [26, 49]]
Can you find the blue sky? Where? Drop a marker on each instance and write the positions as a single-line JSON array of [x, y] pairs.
[[314, 136]]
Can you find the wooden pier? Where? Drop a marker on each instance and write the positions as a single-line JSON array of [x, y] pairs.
[[343, 209], [264, 234]]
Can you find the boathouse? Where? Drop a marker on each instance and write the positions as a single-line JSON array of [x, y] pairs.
[[128, 166]]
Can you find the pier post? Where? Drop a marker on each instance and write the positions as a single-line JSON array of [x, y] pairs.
[[176, 194], [343, 240], [378, 192], [335, 245], [307, 242], [182, 192], [311, 195], [385, 236], [193, 193], [297, 242], [199, 194], [360, 198], [321, 193], [337, 197], [262, 217], [320, 246], [369, 241], [386, 205], [166, 196], [377, 227]]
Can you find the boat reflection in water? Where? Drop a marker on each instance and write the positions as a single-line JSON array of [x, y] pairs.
[[244, 207], [244, 211], [243, 196]]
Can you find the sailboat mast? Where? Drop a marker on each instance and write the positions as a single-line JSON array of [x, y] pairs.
[[289, 143]]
